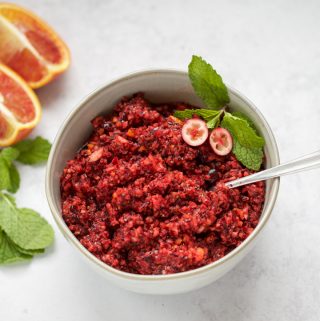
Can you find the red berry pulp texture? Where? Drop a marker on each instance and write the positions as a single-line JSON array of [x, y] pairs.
[[141, 200]]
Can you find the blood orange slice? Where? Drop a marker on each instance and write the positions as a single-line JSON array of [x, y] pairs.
[[30, 47], [20, 110]]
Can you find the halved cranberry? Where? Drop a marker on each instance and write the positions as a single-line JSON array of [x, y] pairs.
[[195, 132], [221, 141]]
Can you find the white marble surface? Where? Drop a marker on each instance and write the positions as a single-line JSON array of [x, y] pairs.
[[270, 51]]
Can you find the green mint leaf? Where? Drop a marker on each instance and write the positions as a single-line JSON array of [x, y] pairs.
[[9, 252], [249, 157], [206, 114], [5, 182], [33, 151], [242, 131], [10, 198], [40, 233], [9, 154], [14, 179], [207, 83], [9, 175], [247, 144], [25, 227], [29, 252], [214, 122], [241, 115], [212, 117]]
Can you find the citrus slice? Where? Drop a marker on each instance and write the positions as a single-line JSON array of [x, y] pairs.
[[30, 47], [20, 110]]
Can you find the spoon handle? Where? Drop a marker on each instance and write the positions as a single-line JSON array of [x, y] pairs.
[[303, 163]]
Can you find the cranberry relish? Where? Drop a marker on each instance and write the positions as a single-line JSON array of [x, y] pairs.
[[141, 200]]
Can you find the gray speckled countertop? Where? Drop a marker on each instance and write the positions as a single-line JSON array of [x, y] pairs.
[[268, 50]]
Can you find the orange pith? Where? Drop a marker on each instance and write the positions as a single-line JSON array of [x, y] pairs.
[[30, 47], [20, 110]]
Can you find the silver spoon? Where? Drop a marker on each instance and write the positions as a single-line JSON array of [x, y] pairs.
[[303, 163]]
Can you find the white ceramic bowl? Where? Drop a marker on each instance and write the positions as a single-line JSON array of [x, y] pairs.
[[159, 86]]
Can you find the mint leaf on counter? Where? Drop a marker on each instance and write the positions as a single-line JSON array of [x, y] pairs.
[[23, 232], [39, 233], [5, 181], [29, 151], [29, 252], [9, 252], [14, 179], [207, 83], [25, 227], [33, 151], [9, 175], [9, 154]]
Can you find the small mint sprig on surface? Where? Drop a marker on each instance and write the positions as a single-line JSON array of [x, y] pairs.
[[33, 151], [24, 226], [29, 152], [208, 85], [9, 252], [23, 232]]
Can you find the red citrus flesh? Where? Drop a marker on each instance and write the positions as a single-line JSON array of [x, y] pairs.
[[20, 110], [30, 47]]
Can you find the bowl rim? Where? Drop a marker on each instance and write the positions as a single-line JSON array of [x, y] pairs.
[[138, 277]]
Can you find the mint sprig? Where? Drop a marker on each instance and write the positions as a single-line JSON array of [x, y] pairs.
[[242, 131], [23, 232], [25, 227], [241, 115], [247, 144], [211, 116], [250, 157], [9, 252], [14, 179], [208, 85], [33, 151]]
